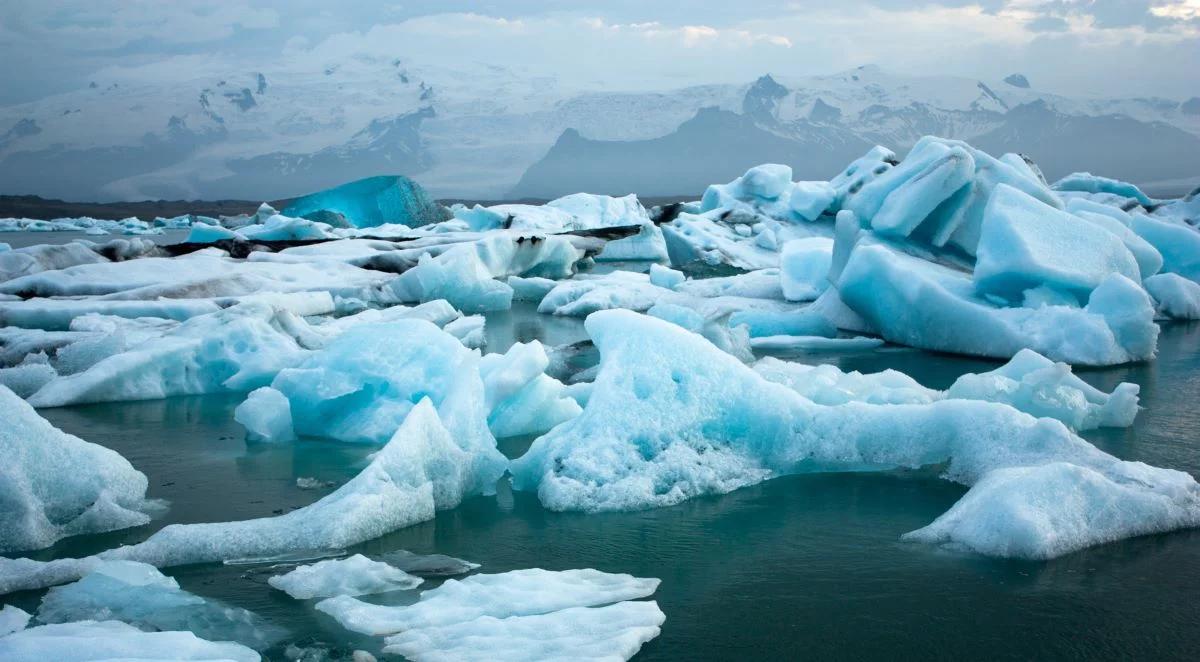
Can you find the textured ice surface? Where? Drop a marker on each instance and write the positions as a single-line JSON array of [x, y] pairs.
[[521, 399], [138, 594], [1025, 244], [1038, 386], [54, 485], [423, 468], [372, 201], [467, 275], [814, 343], [915, 302], [364, 382], [730, 428], [1088, 183], [45, 257], [236, 349], [267, 416], [647, 244], [201, 274], [114, 640], [515, 593], [1174, 296], [804, 268], [615, 632], [27, 378], [1178, 244], [13, 619], [354, 575]]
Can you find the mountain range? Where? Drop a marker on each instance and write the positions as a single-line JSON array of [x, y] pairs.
[[493, 133]]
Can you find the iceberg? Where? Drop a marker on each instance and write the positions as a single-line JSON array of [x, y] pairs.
[[236, 349], [1025, 244], [804, 268], [923, 304], [467, 275], [140, 595], [15, 263], [615, 632], [423, 468], [371, 202], [1174, 296], [54, 485], [13, 619], [521, 399], [1086, 182], [730, 428], [515, 593], [267, 416], [355, 575], [114, 640]]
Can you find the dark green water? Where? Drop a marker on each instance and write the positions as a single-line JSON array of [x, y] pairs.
[[798, 567]]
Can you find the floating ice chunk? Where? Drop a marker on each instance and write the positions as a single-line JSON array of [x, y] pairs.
[[522, 399], [373, 201], [758, 284], [665, 276], [587, 211], [647, 244], [690, 238], [1088, 183], [515, 593], [468, 329], [267, 416], [1178, 244], [615, 632], [827, 385], [284, 228], [194, 276], [1041, 512], [466, 274], [532, 289], [808, 200], [733, 340], [55, 485], [208, 234], [1025, 244], [428, 565], [1038, 386], [138, 594], [814, 343], [765, 323], [354, 575], [13, 619], [422, 469], [804, 268], [1174, 296], [310, 483], [57, 314], [114, 640], [24, 380], [730, 428], [45, 257], [1116, 221], [236, 349], [901, 199], [363, 384], [922, 304]]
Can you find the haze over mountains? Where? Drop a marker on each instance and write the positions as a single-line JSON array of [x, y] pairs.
[[489, 133]]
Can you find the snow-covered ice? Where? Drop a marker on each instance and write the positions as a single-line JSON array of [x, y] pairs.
[[114, 640], [354, 575], [514, 593], [138, 594], [55, 485]]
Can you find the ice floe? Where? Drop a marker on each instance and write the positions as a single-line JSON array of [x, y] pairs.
[[355, 575]]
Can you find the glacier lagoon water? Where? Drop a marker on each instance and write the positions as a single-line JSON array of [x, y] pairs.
[[801, 566]]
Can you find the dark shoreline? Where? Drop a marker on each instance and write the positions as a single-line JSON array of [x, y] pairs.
[[32, 206]]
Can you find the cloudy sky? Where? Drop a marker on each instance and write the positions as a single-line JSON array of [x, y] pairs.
[[1077, 47]]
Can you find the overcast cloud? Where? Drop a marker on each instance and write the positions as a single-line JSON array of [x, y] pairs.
[[1078, 47]]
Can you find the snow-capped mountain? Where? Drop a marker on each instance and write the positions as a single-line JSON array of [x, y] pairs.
[[492, 132]]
